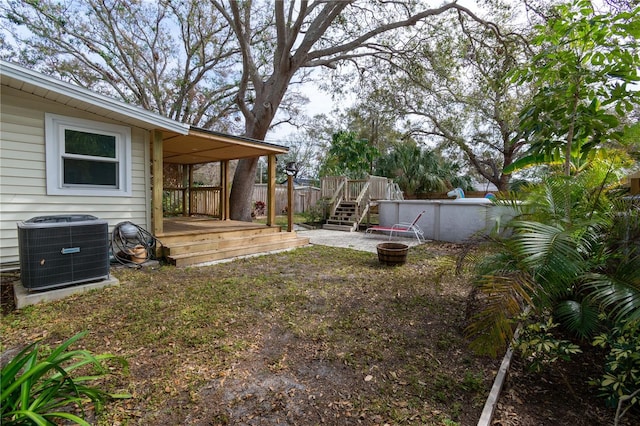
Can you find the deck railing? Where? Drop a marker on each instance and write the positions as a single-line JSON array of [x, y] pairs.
[[355, 188], [329, 185], [206, 200], [380, 188], [337, 196], [201, 200], [361, 191], [362, 200]]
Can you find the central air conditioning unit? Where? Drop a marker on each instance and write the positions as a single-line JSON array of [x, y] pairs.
[[62, 250]]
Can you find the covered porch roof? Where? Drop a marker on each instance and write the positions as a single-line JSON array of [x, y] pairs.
[[205, 146], [201, 146]]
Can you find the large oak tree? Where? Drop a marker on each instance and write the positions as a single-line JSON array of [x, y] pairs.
[[452, 88], [199, 62]]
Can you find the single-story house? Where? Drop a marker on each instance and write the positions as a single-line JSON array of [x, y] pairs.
[[67, 150]]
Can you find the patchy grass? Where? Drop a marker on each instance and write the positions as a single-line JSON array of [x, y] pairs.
[[310, 336]]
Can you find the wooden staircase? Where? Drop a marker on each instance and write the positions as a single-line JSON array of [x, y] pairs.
[[349, 200], [202, 246], [346, 217]]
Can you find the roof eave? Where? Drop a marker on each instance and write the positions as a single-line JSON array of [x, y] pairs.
[[81, 94]]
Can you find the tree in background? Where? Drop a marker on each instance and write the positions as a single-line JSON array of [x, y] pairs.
[[236, 56], [377, 125], [173, 58], [303, 150], [418, 170], [582, 76], [349, 156], [450, 87]]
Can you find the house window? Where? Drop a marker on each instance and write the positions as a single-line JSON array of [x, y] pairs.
[[87, 158]]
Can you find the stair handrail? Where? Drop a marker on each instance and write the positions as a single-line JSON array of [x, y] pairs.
[[361, 201], [395, 193], [337, 197]]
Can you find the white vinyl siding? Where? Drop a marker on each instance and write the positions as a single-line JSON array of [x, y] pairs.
[[23, 186]]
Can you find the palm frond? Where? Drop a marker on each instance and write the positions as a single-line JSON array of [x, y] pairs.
[[505, 298], [550, 254], [619, 293], [579, 317]]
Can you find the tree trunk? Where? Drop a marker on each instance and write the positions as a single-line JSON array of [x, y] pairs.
[[503, 182], [256, 128], [242, 189]]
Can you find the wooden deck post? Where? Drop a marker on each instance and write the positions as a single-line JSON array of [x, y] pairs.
[[224, 190], [289, 203], [271, 190], [157, 182], [186, 189]]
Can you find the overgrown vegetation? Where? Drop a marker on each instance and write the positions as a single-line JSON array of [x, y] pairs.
[[583, 273], [619, 384], [318, 213], [571, 254], [417, 170]]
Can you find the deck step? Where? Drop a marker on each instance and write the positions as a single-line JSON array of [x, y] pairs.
[[345, 217], [336, 227], [191, 237], [340, 222], [238, 247], [199, 246]]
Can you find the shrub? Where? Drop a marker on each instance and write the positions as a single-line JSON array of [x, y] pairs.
[[259, 208], [316, 213], [621, 380], [37, 389], [541, 348]]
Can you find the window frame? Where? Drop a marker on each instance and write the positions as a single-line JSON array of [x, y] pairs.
[[55, 126]]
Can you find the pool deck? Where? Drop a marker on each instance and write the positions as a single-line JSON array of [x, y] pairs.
[[352, 240]]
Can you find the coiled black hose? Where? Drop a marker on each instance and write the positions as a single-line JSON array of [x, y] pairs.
[[132, 245]]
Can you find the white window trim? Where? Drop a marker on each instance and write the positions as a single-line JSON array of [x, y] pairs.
[[54, 140]]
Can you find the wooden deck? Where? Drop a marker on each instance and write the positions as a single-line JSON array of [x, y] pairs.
[[192, 225], [192, 240]]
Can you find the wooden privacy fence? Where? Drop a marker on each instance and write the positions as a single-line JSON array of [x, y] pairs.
[[304, 197]]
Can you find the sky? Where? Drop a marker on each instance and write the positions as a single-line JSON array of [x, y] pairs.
[[320, 102]]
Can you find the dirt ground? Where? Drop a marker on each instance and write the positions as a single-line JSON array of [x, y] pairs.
[[559, 396], [291, 375]]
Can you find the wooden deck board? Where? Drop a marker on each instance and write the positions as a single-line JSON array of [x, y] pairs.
[[190, 225], [192, 240]]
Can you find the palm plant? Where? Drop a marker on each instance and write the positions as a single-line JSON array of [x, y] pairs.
[[572, 251], [416, 170]]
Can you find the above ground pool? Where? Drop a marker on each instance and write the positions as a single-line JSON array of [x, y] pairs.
[[452, 220]]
